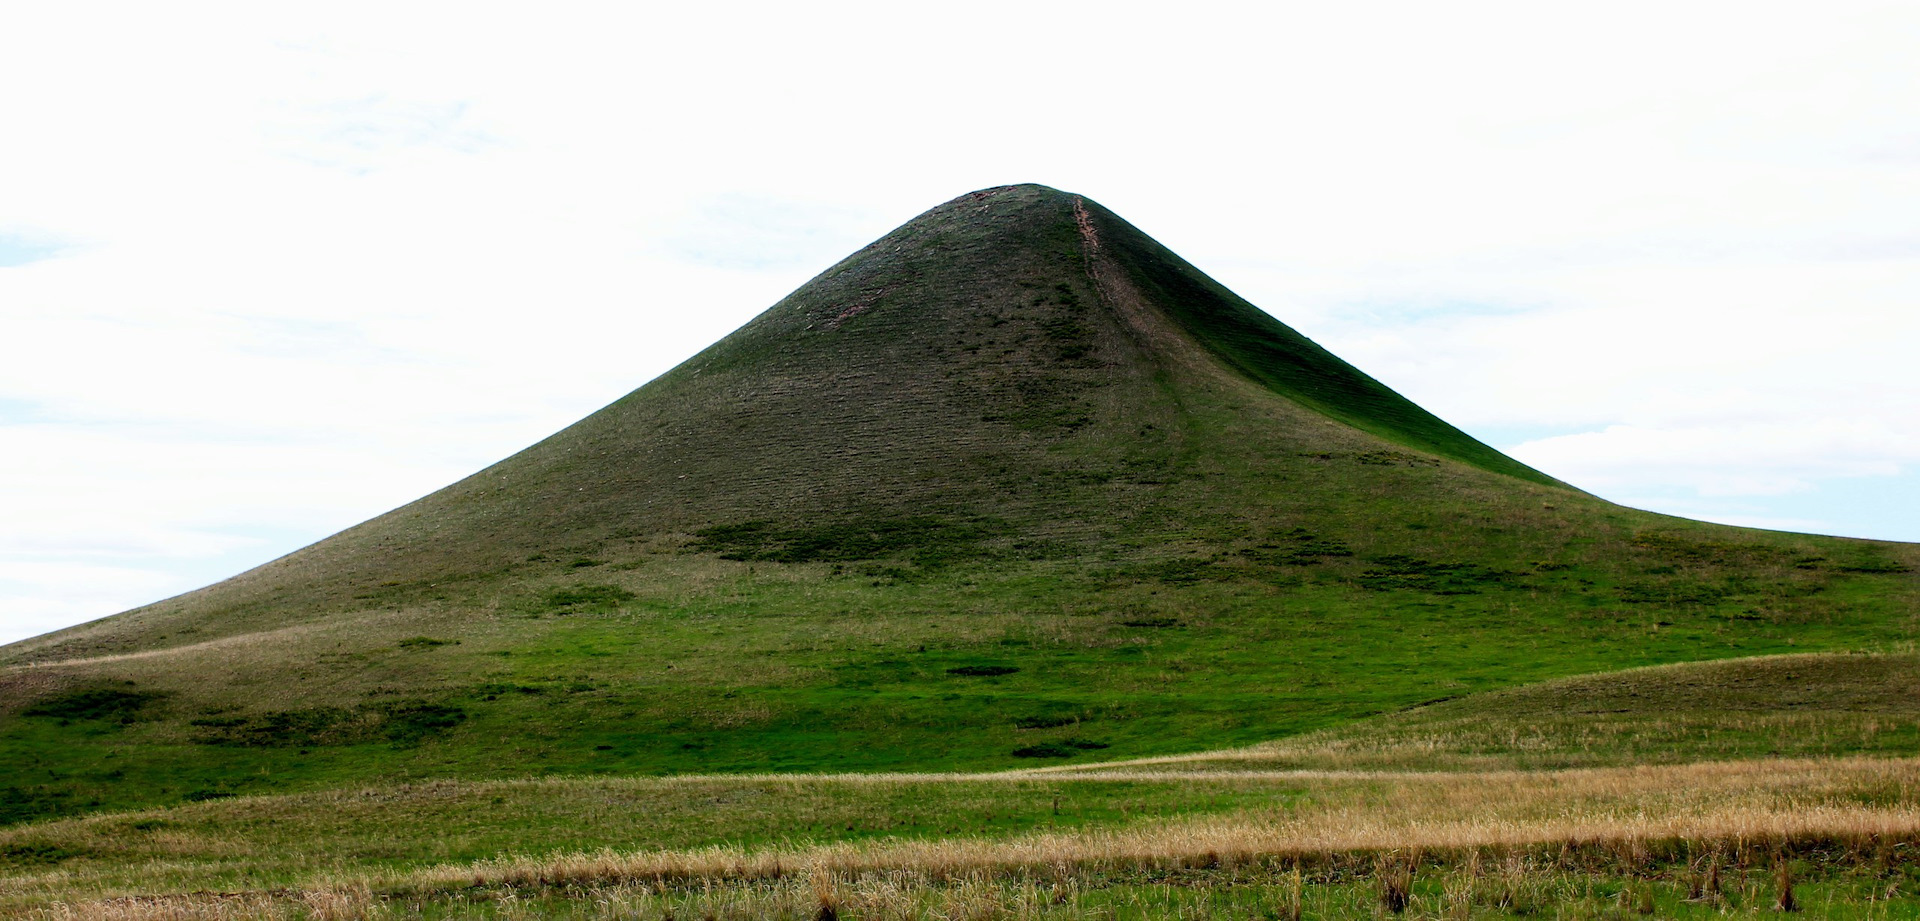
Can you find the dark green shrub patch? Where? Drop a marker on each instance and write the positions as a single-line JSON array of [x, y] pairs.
[[927, 541], [1683, 550], [1298, 547], [494, 689], [1395, 459], [1065, 748], [1395, 571], [1675, 591], [18, 804], [1185, 571], [398, 722], [982, 671], [38, 853], [1871, 565], [93, 704], [588, 599]]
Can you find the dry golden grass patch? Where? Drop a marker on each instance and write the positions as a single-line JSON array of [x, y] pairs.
[[1356, 820], [1739, 802]]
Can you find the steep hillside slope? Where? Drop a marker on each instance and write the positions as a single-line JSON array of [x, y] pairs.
[[1011, 485], [1008, 367]]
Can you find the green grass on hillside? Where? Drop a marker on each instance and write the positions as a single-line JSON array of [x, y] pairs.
[[1791, 706], [797, 666], [1776, 706]]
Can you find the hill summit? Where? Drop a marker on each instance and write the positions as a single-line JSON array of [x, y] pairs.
[[1008, 367], [1012, 482]]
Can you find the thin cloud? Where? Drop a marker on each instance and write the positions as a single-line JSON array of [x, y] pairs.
[[20, 249]]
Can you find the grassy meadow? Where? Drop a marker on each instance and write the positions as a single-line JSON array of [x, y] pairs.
[[1250, 832], [1713, 837]]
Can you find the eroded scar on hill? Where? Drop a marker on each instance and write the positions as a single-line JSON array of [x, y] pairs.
[[1113, 289], [1088, 235]]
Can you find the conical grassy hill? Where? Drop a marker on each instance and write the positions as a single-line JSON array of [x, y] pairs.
[[1012, 485], [1009, 370]]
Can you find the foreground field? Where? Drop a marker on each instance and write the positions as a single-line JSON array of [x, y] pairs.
[[1843, 832], [1577, 797]]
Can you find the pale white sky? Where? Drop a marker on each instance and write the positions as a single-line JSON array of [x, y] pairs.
[[265, 274]]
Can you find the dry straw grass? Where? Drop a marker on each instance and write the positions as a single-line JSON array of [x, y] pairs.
[[192, 908], [1735, 801], [1363, 820]]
